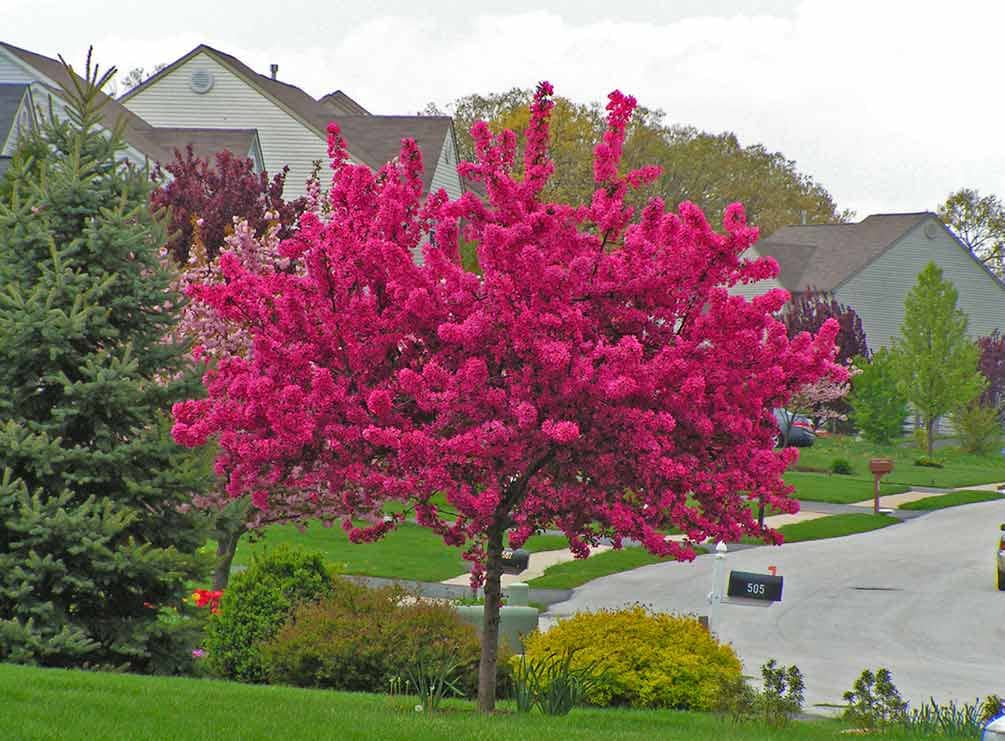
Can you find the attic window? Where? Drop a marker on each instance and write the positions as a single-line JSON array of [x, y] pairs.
[[201, 81]]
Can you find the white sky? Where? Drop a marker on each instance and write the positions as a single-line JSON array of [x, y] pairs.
[[890, 105]]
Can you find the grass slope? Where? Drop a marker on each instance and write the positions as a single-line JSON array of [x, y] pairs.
[[60, 704], [410, 552], [952, 499]]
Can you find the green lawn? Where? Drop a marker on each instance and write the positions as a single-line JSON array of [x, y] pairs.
[[961, 469], [59, 704], [822, 487], [953, 499], [571, 574], [835, 526]]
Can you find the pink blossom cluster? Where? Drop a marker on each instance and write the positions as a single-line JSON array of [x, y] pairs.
[[598, 377]]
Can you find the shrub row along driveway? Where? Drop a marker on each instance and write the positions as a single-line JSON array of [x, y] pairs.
[[918, 598]]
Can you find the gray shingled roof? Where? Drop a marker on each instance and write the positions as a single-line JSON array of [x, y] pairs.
[[343, 104], [11, 96], [822, 256], [206, 142], [380, 137]]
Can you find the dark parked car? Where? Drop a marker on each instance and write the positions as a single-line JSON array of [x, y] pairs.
[[800, 429]]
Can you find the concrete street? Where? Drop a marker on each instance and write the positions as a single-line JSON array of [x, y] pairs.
[[918, 598]]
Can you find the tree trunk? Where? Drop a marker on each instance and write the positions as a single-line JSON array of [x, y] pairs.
[[931, 437], [226, 547], [760, 511], [490, 626]]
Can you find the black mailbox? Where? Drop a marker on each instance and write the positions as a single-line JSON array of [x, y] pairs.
[[514, 562], [760, 587]]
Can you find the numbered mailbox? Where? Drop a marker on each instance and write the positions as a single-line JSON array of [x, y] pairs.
[[515, 561], [747, 586]]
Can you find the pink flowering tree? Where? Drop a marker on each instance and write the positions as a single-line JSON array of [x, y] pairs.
[[597, 377]]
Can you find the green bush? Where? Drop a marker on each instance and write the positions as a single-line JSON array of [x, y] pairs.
[[640, 658], [257, 604], [842, 467], [874, 701], [878, 408], [780, 699], [978, 427], [366, 639]]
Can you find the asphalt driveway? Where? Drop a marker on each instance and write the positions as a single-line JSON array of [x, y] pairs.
[[918, 597]]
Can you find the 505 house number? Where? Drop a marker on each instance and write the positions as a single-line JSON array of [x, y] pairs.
[[752, 586]]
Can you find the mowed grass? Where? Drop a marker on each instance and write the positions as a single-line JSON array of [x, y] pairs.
[[822, 487], [952, 499], [960, 469], [60, 704]]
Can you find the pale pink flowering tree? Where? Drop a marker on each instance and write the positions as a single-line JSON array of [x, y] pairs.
[[597, 377], [214, 339]]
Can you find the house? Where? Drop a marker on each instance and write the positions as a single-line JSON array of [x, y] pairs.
[[208, 88], [15, 118], [44, 78], [870, 266]]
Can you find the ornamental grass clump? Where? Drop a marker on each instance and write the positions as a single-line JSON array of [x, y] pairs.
[[640, 658]]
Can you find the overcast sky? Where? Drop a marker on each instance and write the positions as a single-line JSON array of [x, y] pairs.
[[889, 105]]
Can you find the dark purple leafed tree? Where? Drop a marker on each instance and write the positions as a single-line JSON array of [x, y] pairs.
[[808, 311]]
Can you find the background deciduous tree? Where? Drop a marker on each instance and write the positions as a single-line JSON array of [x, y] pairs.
[[934, 360], [597, 377], [878, 408], [710, 170], [979, 222], [808, 311]]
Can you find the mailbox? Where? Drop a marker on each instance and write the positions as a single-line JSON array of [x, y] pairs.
[[880, 466], [515, 561], [758, 588]]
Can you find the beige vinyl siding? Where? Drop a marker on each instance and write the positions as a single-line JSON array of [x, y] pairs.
[[445, 175], [233, 103], [877, 293], [750, 290]]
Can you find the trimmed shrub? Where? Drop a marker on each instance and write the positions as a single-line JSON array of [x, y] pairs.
[[640, 658], [362, 639], [978, 427], [842, 467], [257, 604]]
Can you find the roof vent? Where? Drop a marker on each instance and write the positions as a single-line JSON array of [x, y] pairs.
[[931, 230], [201, 81], [274, 69]]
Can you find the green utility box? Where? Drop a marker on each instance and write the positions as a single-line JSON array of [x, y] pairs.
[[516, 618]]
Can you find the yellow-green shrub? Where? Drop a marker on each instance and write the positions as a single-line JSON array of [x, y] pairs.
[[647, 659]]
